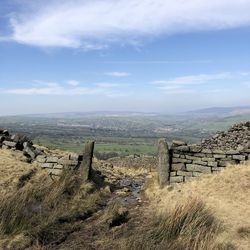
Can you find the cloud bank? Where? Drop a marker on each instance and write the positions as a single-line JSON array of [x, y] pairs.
[[95, 24]]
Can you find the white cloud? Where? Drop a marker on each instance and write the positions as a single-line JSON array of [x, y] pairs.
[[55, 89], [117, 74], [107, 85], [73, 83], [193, 79], [94, 24]]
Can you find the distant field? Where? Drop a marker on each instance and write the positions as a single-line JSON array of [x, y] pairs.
[[122, 135]]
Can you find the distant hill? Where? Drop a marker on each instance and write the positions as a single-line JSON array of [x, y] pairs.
[[225, 111]]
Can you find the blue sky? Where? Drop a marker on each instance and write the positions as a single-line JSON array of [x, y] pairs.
[[126, 55]]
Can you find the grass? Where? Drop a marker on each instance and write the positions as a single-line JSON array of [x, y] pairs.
[[189, 226], [226, 194], [46, 211]]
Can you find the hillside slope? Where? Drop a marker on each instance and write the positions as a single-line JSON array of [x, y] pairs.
[[226, 193]]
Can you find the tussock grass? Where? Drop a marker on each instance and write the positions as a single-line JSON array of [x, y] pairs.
[[188, 226], [115, 215], [44, 210]]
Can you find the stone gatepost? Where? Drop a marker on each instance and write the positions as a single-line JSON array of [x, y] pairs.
[[164, 163], [86, 164]]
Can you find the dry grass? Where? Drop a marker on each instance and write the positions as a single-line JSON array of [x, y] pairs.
[[226, 194], [189, 226], [44, 211], [12, 166]]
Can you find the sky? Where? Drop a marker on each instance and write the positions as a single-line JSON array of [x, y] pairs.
[[162, 56]]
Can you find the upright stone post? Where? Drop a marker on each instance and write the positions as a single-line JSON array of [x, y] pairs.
[[86, 164], [164, 163]]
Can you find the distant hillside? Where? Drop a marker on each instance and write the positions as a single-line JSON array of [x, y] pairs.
[[224, 111]]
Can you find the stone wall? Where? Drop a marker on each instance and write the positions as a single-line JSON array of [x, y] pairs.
[[134, 161], [210, 156], [53, 163]]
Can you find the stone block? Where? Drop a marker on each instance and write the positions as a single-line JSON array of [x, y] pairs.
[[178, 166], [218, 151], [52, 159], [219, 156], [184, 173], [226, 162], [232, 152], [41, 158], [189, 157], [178, 160], [239, 157], [173, 173], [47, 165], [212, 163], [65, 162], [176, 179], [10, 144], [183, 149], [177, 143], [208, 159], [57, 166], [30, 151], [198, 168], [203, 163], [206, 151], [195, 148]]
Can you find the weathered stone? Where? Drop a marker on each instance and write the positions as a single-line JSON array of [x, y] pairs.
[[30, 151], [176, 179], [177, 143], [173, 173], [176, 155], [41, 158], [5, 147], [74, 156], [164, 163], [226, 162], [184, 173], [178, 160], [47, 165], [206, 151], [219, 156], [183, 148], [2, 138], [85, 167], [198, 168], [6, 132], [178, 166], [52, 159], [195, 148], [208, 159], [192, 157], [212, 163], [57, 166], [10, 144], [218, 151], [203, 163], [239, 157], [232, 152], [65, 162]]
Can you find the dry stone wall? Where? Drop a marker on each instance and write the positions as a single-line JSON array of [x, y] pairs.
[[210, 156], [53, 163]]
